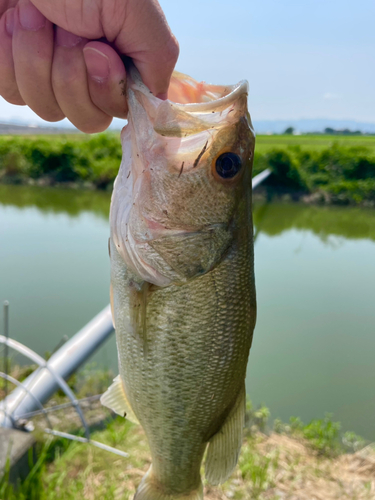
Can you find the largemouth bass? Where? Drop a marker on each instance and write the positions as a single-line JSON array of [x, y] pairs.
[[182, 279]]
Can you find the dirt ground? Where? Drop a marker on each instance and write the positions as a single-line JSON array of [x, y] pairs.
[[297, 473]]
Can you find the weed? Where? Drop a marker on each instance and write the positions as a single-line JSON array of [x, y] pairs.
[[256, 419], [323, 436], [352, 442], [257, 469]]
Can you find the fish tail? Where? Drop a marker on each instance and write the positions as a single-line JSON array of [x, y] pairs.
[[151, 489]]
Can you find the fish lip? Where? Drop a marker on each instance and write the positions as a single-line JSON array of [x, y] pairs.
[[234, 93], [134, 81], [240, 88]]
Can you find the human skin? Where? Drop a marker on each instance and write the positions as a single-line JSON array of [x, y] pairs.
[[62, 57]]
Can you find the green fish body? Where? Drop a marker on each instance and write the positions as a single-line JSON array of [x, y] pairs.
[[182, 280]]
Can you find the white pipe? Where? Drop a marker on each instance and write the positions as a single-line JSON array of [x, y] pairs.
[[44, 382], [258, 179]]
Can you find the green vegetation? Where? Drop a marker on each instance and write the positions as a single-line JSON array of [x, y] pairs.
[[67, 470], [322, 168], [323, 435], [310, 142], [335, 175], [70, 470], [257, 470], [63, 159]]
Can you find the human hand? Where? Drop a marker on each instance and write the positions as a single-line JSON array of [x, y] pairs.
[[58, 72]]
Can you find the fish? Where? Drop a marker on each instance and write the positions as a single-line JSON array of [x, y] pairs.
[[182, 279]]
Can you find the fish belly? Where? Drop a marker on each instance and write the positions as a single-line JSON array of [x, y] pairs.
[[183, 374]]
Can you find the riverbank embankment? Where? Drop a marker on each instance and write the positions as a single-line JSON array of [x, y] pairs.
[[313, 169]]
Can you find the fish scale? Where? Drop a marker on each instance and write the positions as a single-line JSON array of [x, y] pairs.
[[182, 276]]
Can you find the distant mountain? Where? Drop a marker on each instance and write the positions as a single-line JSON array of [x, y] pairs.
[[261, 126], [15, 129], [307, 125], [303, 125]]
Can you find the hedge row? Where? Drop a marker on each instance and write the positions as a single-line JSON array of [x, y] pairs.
[[94, 159], [344, 175]]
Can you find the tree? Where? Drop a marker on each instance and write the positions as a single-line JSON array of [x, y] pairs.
[[289, 131]]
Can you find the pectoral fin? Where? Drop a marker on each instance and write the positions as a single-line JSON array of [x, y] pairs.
[[115, 399], [224, 447]]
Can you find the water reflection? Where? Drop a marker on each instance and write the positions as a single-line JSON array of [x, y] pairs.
[[56, 200], [271, 218], [348, 222]]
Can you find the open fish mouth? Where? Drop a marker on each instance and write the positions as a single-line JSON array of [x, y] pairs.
[[191, 106]]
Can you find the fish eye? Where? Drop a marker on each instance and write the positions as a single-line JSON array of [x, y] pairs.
[[228, 165]]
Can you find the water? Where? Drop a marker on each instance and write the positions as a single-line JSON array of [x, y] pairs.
[[314, 344]]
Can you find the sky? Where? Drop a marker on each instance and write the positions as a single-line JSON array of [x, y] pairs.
[[303, 59]]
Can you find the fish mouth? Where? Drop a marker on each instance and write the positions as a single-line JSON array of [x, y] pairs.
[[216, 109], [191, 107], [206, 97]]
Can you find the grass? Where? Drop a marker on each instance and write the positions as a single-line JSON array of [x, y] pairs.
[[70, 470], [268, 464], [257, 470], [322, 435], [266, 143]]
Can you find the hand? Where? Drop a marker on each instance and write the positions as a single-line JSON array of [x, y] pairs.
[[58, 72]]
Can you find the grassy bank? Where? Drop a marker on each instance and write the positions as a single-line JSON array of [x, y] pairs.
[[291, 461], [325, 169], [300, 462]]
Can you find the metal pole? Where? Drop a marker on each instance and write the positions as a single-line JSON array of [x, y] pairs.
[[42, 384], [258, 179], [6, 349]]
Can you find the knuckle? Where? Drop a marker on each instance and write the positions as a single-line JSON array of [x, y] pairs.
[[12, 96], [175, 49], [171, 52], [93, 127], [51, 115], [63, 78]]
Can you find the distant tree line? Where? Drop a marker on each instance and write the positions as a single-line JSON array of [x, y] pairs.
[[328, 131]]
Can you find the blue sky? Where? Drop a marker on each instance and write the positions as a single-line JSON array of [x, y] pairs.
[[303, 59]]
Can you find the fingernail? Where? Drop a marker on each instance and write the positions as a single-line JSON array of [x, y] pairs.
[[30, 17], [67, 39], [97, 64], [9, 21]]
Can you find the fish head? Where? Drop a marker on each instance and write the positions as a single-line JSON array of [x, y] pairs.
[[184, 185]]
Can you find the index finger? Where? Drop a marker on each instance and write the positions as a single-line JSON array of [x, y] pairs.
[[150, 43], [137, 28]]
